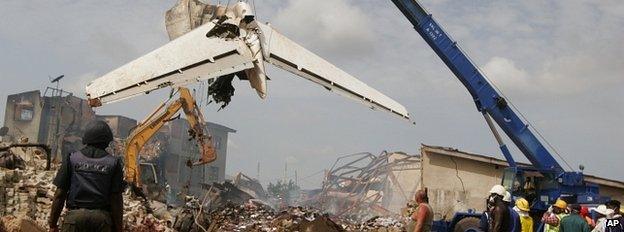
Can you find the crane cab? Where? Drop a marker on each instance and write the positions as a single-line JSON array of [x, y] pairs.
[[542, 188]]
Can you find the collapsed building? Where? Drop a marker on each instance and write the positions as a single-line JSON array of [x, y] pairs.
[[363, 185], [55, 118], [164, 158]]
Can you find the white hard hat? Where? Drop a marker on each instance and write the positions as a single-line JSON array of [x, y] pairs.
[[498, 189], [507, 197], [602, 209]]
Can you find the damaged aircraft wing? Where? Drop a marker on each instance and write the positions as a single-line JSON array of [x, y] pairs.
[[232, 42]]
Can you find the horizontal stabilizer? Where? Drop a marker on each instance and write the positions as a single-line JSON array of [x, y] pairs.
[[189, 58], [294, 58]]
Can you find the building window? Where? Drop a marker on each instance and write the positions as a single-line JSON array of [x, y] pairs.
[[217, 142], [212, 174], [24, 112]]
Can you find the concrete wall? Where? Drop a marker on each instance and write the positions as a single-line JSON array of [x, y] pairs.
[[219, 137], [27, 101], [180, 149], [458, 181], [457, 184], [120, 125], [402, 184], [613, 192], [74, 113]]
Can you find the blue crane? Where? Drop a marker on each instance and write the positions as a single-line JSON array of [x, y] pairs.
[[548, 177]]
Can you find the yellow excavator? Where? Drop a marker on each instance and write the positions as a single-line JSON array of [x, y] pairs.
[[146, 129]]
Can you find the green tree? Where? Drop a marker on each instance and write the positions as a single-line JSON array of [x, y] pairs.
[[286, 191]]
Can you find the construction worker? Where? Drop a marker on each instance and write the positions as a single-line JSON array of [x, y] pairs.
[[615, 206], [574, 222], [89, 183], [422, 218], [603, 213], [513, 215], [617, 215], [526, 221], [585, 215], [554, 215], [499, 216]]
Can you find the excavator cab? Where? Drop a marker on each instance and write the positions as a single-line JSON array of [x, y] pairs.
[[153, 187]]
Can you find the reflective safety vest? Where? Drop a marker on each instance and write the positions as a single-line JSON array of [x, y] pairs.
[[549, 228], [527, 223]]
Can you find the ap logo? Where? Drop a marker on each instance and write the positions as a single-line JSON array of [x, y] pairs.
[[614, 225]]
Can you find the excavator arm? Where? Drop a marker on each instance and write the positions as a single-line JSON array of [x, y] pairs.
[[156, 120]]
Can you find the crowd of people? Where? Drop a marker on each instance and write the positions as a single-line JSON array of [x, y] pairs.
[[502, 216]]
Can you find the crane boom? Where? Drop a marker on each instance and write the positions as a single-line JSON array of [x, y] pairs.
[[488, 101]]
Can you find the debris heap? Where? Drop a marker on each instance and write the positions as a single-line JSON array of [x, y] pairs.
[[255, 216], [26, 194], [141, 216]]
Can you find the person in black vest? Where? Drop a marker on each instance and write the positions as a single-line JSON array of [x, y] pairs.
[[89, 183]]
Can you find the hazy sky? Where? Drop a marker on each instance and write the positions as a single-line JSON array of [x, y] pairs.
[[559, 62]]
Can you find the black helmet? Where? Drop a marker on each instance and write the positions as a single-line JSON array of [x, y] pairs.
[[97, 132]]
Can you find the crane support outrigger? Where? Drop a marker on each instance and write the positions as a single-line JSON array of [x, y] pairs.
[[550, 179], [156, 120]]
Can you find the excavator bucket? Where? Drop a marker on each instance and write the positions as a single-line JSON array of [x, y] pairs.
[[208, 153], [206, 150]]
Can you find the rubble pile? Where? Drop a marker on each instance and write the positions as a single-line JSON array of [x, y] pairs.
[[150, 151], [378, 224], [26, 198], [27, 193], [11, 223], [255, 216], [141, 217], [245, 217]]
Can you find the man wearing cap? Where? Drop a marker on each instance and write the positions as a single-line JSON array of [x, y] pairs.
[[603, 213], [526, 221], [499, 216], [554, 215], [89, 183], [513, 215], [574, 222]]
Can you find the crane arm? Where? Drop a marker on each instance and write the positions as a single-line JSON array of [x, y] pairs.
[[488, 101], [156, 120]]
